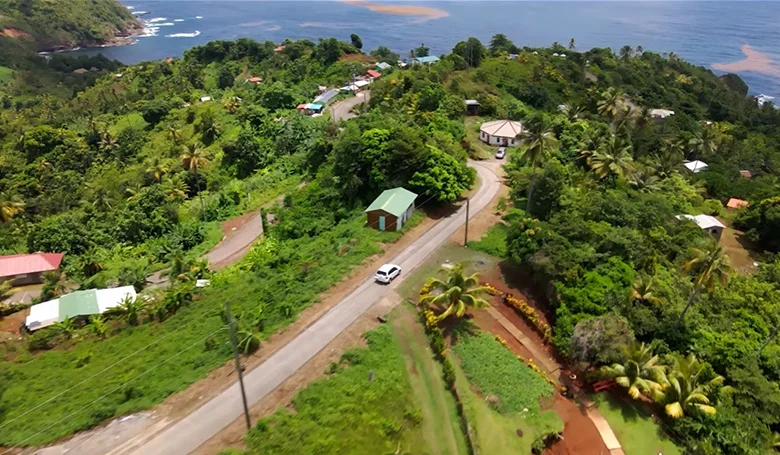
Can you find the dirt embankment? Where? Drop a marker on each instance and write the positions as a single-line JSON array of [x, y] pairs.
[[15, 33]]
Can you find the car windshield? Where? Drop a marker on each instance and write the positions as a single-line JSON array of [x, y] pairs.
[[380, 272]]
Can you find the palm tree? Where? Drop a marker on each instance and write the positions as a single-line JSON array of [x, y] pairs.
[[194, 159], [710, 266], [65, 328], [132, 192], [175, 188], [612, 158], [107, 142], [640, 49], [626, 52], [643, 289], [10, 206], [608, 104], [135, 274], [538, 138], [54, 284], [158, 168], [90, 262], [572, 111], [687, 392], [232, 104], [457, 293], [644, 179], [640, 372], [5, 291], [705, 142], [174, 134], [571, 44]]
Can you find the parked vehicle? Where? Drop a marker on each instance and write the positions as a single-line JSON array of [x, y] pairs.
[[387, 273], [500, 153]]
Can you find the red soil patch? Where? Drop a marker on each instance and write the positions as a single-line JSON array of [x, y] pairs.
[[15, 33], [580, 436]]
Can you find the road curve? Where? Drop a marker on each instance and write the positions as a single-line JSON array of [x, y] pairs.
[[342, 110], [189, 433]]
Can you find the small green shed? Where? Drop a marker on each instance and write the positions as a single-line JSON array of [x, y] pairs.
[[391, 209]]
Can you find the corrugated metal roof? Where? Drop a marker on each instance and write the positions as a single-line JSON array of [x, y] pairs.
[[735, 203], [394, 202], [374, 74], [18, 264]]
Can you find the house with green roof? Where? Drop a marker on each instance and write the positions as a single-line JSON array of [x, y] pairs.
[[391, 209]]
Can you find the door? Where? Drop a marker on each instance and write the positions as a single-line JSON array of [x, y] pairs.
[[381, 222]]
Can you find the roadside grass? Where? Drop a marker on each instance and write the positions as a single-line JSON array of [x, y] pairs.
[[138, 367], [475, 261], [367, 406], [6, 74], [495, 433], [440, 420], [493, 242], [636, 431], [497, 372], [479, 150]]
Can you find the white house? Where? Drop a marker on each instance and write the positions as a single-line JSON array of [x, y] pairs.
[[696, 166], [708, 223], [79, 303], [660, 114], [500, 132]]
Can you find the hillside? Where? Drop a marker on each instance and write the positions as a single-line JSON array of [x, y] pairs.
[[52, 24]]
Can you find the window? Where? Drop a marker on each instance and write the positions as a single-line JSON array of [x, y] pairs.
[[380, 272]]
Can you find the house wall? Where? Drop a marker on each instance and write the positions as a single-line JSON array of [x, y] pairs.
[[495, 140], [24, 279], [405, 217], [715, 232], [372, 218]]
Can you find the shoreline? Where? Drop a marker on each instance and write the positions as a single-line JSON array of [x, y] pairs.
[[125, 37]]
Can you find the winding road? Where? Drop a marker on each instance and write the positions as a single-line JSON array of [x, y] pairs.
[[187, 434]]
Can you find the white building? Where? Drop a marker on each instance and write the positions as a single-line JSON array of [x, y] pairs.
[[500, 132], [696, 166], [75, 304], [660, 114], [708, 223]]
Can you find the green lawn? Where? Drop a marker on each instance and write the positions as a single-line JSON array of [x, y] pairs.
[[495, 433], [636, 431], [349, 413], [475, 261], [493, 242], [441, 425], [480, 150], [5, 74]]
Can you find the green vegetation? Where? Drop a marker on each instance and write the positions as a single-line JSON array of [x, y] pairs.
[[497, 372], [635, 430], [367, 406], [455, 295], [493, 242], [59, 24]]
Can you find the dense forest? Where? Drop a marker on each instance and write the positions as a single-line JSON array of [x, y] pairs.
[[132, 172]]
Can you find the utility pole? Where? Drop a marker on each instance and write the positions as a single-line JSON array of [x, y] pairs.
[[466, 237], [234, 342]]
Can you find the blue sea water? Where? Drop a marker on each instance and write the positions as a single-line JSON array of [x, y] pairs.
[[698, 31]]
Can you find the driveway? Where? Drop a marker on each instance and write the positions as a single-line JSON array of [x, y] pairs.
[[342, 110], [190, 432]]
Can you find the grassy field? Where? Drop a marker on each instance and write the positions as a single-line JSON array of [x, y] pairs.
[[496, 434], [637, 432], [5, 74], [475, 261], [497, 372], [441, 424], [493, 242], [349, 413], [480, 150], [138, 367]]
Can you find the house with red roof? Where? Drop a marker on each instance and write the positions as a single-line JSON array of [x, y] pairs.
[[372, 74], [255, 80], [736, 204], [23, 269]]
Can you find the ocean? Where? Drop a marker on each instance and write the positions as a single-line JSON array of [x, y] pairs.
[[716, 34]]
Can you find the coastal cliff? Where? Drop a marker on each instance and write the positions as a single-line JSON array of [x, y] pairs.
[[46, 25]]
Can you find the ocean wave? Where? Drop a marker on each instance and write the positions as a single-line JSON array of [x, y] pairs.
[[198, 17], [178, 20], [130, 7], [164, 24], [184, 35], [272, 28], [156, 19]]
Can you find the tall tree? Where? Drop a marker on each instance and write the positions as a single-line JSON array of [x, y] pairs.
[[500, 43], [709, 267], [456, 294], [613, 157], [608, 103], [640, 372], [356, 41], [572, 45], [471, 50], [626, 52], [193, 159], [538, 139], [421, 51], [705, 142]]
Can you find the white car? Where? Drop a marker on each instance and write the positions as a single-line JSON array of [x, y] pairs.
[[500, 153], [387, 273]]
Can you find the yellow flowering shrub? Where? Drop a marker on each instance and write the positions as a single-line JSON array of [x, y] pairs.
[[528, 313]]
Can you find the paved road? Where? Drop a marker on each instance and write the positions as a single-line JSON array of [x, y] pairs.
[[342, 110], [189, 433]]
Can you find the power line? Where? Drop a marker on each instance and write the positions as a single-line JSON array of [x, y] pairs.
[[199, 341]]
